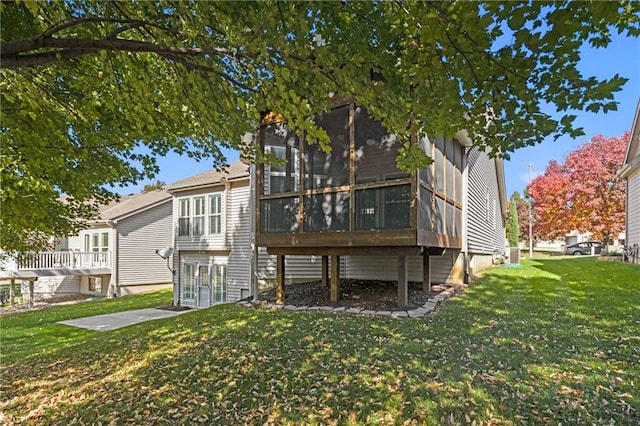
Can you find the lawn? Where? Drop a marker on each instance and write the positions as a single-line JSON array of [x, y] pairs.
[[554, 341]]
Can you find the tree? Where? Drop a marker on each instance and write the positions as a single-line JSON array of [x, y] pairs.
[[583, 193], [93, 91], [522, 206], [153, 186], [513, 228]]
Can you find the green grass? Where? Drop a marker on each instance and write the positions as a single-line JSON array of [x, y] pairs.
[[555, 341], [33, 333]]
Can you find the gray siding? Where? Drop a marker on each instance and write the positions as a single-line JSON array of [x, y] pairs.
[[139, 236], [633, 209], [386, 268], [58, 285], [485, 227], [239, 236]]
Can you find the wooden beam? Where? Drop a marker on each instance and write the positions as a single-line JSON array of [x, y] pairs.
[[325, 271], [31, 295], [403, 282], [280, 273], [347, 251], [426, 273], [12, 292], [335, 278]]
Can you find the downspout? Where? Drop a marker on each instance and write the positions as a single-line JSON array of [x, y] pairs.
[[112, 291], [463, 137], [253, 262]]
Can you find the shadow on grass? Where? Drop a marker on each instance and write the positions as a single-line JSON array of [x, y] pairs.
[[532, 345]]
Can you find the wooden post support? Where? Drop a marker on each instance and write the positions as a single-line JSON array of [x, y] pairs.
[[12, 292], [280, 272], [403, 282], [335, 278], [426, 273], [325, 271], [31, 295]]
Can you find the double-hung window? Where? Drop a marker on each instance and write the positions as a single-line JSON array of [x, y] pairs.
[[215, 214], [184, 215], [198, 216]]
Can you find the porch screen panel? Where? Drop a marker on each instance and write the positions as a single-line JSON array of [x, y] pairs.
[[330, 169], [279, 215], [427, 172], [450, 219], [375, 150], [459, 163], [326, 212], [439, 164], [439, 215], [458, 221], [282, 143], [383, 208], [425, 210]]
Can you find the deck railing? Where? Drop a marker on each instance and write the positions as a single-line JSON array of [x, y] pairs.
[[64, 260]]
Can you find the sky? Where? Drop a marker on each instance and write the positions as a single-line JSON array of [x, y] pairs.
[[622, 57]]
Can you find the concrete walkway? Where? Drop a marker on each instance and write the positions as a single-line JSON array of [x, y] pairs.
[[120, 319]]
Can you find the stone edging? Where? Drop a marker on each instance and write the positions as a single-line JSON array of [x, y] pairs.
[[425, 309]]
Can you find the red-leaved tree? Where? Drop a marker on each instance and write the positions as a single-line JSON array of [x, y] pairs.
[[583, 193]]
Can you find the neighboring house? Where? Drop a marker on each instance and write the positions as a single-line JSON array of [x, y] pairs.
[[364, 218], [114, 256], [631, 173]]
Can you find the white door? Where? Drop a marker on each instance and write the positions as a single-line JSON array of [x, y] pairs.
[[204, 287]]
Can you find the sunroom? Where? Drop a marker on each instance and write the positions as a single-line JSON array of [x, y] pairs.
[[354, 200]]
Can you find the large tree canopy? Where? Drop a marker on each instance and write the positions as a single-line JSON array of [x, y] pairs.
[[583, 193], [93, 91]]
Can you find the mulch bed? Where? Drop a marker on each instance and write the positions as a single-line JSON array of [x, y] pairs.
[[360, 294]]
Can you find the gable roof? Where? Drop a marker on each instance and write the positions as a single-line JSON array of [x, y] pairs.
[[235, 170], [632, 158], [129, 205]]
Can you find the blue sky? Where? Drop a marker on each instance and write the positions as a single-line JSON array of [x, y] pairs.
[[622, 57]]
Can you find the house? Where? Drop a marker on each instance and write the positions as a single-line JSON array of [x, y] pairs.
[[114, 256], [214, 258], [364, 218], [630, 171], [211, 225]]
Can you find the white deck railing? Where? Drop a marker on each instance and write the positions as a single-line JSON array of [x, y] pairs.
[[64, 260]]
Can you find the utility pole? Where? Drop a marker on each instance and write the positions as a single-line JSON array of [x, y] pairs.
[[530, 217]]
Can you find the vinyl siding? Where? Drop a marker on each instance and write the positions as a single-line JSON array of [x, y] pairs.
[[386, 268], [206, 241], [139, 236], [633, 209], [297, 268], [239, 236], [485, 227], [58, 285]]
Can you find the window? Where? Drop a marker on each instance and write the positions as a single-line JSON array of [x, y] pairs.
[[87, 243], [183, 216], [219, 283], [95, 284], [215, 214], [99, 242], [198, 216], [189, 282]]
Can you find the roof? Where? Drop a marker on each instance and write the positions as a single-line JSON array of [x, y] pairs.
[[132, 204], [632, 158], [236, 170]]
